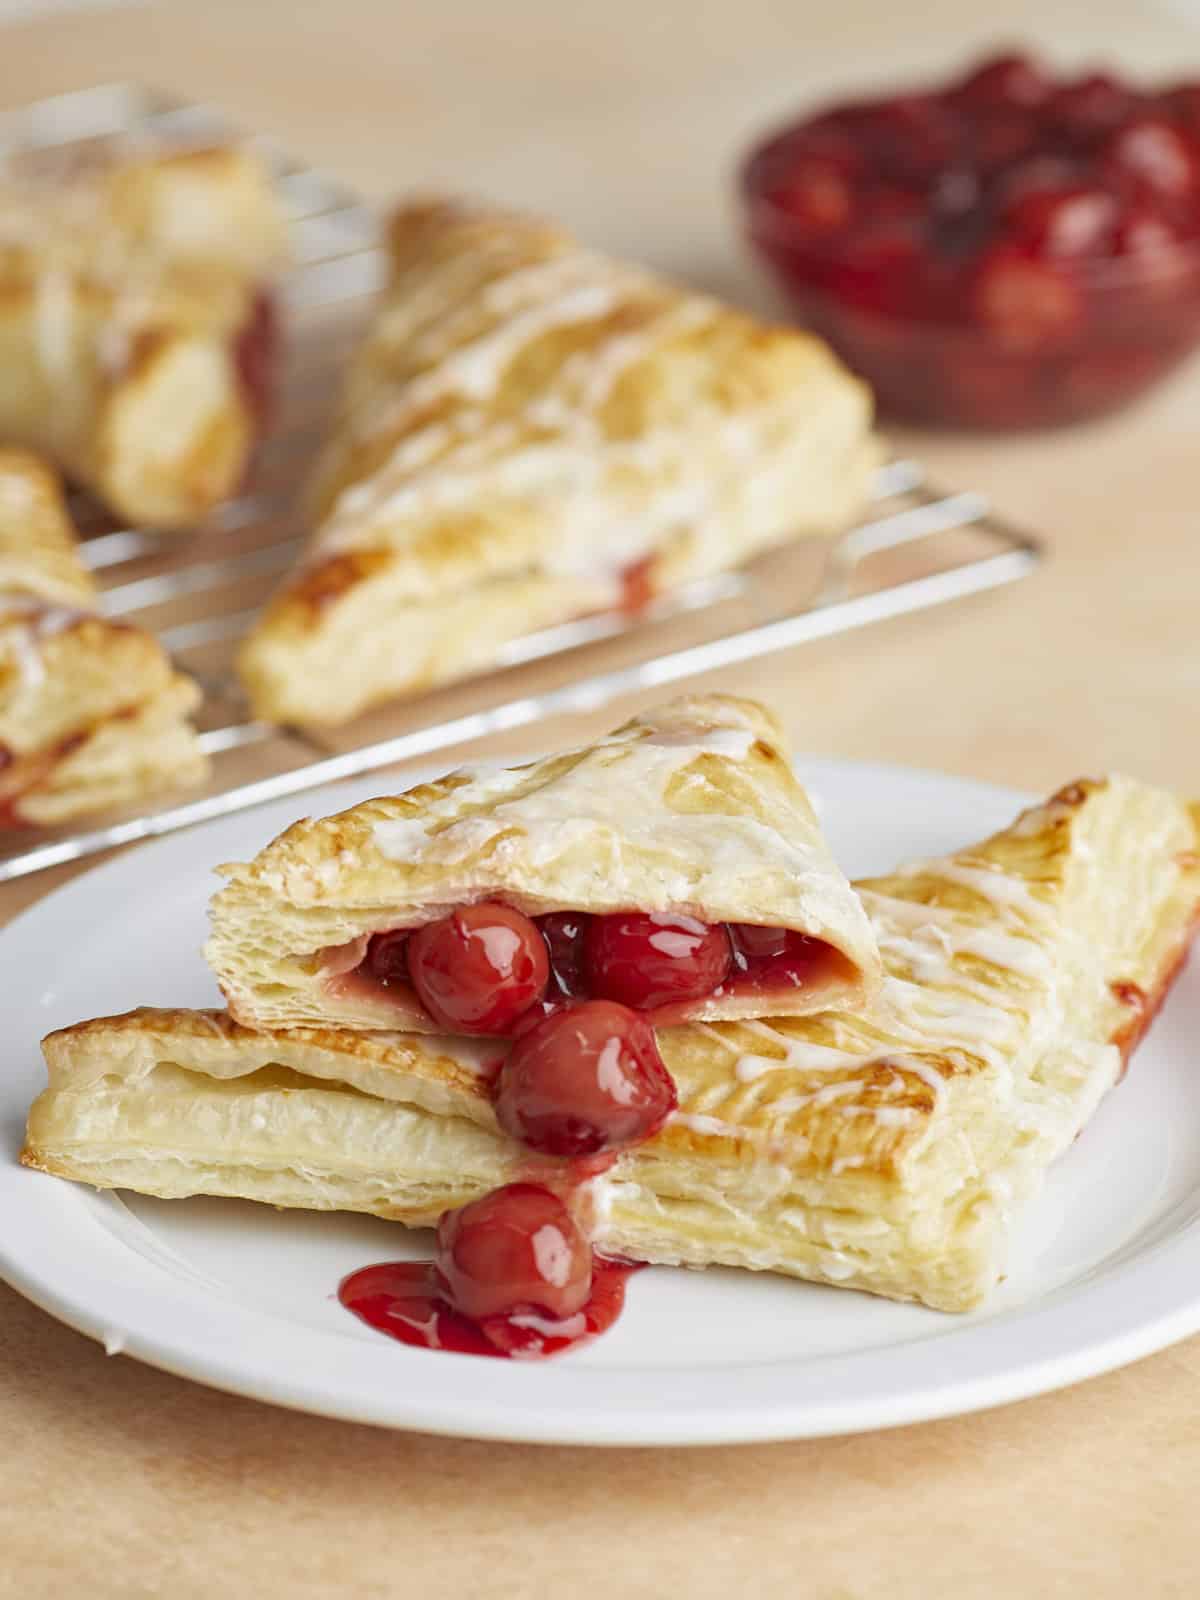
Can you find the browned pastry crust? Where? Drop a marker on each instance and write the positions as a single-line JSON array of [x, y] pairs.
[[531, 432]]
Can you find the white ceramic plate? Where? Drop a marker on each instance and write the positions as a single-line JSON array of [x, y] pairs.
[[1107, 1268]]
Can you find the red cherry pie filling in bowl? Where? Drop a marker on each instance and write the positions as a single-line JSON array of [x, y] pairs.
[[1011, 250], [488, 968]]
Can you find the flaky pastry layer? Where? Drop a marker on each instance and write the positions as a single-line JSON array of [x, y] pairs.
[[887, 1150], [689, 808]]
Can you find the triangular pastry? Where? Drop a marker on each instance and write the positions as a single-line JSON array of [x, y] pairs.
[[135, 331], [532, 432], [675, 866], [888, 1151], [92, 713]]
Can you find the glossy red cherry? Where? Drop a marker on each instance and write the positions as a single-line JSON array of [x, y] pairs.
[[815, 193], [757, 944], [1068, 221], [1001, 139], [1183, 103], [1160, 268], [1009, 80], [1037, 173], [1086, 108], [776, 958], [1156, 154], [890, 202], [1144, 234], [914, 136], [563, 932], [386, 959], [882, 270], [516, 1248], [1025, 304], [661, 959], [479, 968], [585, 1080]]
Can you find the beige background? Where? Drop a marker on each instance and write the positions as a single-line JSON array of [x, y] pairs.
[[624, 119]]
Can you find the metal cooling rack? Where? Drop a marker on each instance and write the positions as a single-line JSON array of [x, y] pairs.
[[919, 547]]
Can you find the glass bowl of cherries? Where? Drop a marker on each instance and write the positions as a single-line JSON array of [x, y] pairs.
[[1012, 250]]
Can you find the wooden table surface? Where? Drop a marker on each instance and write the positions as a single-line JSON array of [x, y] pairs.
[[623, 119]]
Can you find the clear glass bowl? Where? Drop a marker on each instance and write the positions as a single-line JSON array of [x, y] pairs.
[[993, 335]]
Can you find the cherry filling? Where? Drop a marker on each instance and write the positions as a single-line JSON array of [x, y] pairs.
[[1009, 249], [517, 1249], [255, 355], [407, 1301], [480, 968], [656, 960], [777, 958], [637, 586], [563, 933], [514, 1274], [584, 1081], [489, 969]]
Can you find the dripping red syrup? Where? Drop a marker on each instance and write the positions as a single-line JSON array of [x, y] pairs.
[[514, 1274], [405, 1300]]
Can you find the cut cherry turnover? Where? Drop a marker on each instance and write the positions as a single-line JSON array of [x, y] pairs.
[[479, 969], [585, 1080], [489, 969], [1011, 249]]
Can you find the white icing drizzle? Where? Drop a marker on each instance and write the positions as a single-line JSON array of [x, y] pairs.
[[591, 802], [844, 1089], [931, 1005], [1006, 950], [697, 1122], [1001, 888], [32, 621], [800, 1056]]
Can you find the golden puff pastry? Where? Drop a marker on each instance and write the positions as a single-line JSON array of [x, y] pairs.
[[691, 810], [532, 432], [92, 714], [887, 1150], [135, 333]]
